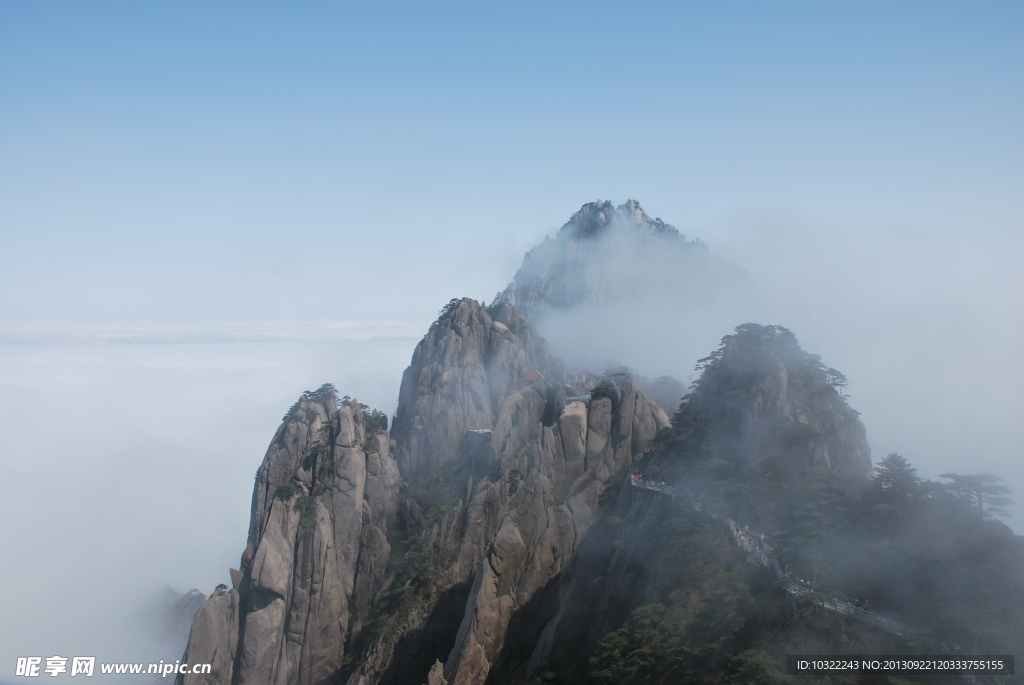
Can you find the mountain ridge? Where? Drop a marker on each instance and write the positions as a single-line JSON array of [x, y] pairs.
[[492, 534]]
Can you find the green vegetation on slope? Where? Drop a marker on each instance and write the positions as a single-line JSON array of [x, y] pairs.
[[663, 595]]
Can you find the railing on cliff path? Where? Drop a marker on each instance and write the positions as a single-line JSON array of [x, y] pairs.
[[879, 619], [651, 485]]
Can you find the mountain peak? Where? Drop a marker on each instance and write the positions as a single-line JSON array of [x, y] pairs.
[[594, 217], [605, 254]]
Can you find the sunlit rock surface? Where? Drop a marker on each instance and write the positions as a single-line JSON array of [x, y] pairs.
[[460, 374], [214, 639], [500, 477], [494, 530], [324, 499]]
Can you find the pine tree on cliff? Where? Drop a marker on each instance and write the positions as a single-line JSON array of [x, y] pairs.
[[982, 491], [897, 477]]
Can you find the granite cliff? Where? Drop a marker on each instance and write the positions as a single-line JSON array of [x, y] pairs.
[[324, 500], [460, 374], [372, 557]]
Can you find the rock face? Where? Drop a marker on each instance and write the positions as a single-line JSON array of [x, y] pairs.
[[439, 552], [483, 413], [324, 499], [550, 480], [214, 639], [494, 532], [436, 675], [606, 253], [460, 374], [500, 476]]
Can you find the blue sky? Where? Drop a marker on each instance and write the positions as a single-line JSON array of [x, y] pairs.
[[206, 208], [236, 147]]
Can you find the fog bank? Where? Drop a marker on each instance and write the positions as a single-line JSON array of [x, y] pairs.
[[927, 325], [130, 465]]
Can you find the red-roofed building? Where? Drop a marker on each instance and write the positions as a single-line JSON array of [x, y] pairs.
[[534, 375]]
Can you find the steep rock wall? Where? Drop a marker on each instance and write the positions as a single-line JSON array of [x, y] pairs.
[[551, 479], [460, 372], [324, 499], [528, 467], [483, 419]]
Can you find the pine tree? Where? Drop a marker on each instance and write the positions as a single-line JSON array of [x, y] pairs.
[[895, 475], [981, 491]]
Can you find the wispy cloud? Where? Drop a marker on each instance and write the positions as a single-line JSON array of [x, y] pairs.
[[170, 333]]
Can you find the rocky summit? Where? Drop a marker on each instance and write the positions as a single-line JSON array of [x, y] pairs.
[[606, 254]]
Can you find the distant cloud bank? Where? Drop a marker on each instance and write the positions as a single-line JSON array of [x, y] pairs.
[[170, 333]]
